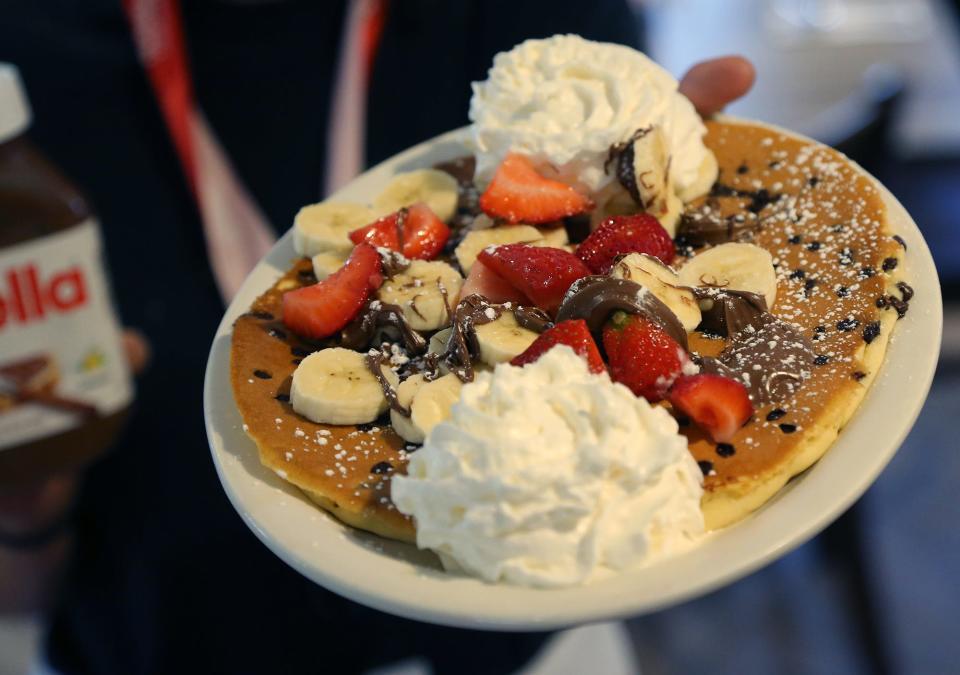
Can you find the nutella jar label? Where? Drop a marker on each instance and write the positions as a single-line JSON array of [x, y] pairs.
[[61, 360]]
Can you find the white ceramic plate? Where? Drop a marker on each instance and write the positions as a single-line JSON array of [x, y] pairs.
[[398, 578]]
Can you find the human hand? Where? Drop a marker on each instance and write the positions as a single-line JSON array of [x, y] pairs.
[[711, 85]]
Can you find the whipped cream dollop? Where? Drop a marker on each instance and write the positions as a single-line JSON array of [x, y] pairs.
[[564, 101], [545, 474]]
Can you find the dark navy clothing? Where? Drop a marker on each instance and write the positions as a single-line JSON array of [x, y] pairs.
[[166, 578]]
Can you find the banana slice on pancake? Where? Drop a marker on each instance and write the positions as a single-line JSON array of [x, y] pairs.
[[429, 404], [424, 292], [334, 386], [325, 264], [438, 189], [325, 227], [663, 282], [734, 266], [503, 339], [477, 240], [651, 171]]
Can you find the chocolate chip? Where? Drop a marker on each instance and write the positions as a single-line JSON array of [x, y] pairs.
[[890, 264], [808, 287], [897, 238], [742, 169], [774, 165], [705, 467], [277, 333], [843, 292], [906, 291], [382, 468], [283, 398], [847, 324], [262, 374], [871, 332], [820, 329], [821, 360], [867, 272], [814, 246], [846, 256], [837, 228], [300, 351], [775, 414], [814, 180], [788, 428], [858, 375], [726, 450], [795, 239], [797, 274], [263, 316]]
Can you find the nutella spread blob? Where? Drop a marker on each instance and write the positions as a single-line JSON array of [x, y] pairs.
[[64, 383]]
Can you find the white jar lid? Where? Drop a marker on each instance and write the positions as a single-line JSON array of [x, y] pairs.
[[14, 108]]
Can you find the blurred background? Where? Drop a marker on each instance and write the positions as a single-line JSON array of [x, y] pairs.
[[877, 591]]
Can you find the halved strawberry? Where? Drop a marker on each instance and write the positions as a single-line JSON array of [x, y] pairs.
[[424, 234], [618, 235], [518, 194], [484, 281], [541, 273], [641, 356], [383, 232], [573, 333], [716, 404], [322, 309]]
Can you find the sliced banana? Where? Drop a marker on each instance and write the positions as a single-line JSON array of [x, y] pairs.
[[429, 404], [651, 170], [477, 240], [324, 227], [424, 292], [334, 386], [325, 264], [503, 339], [663, 282], [741, 267], [555, 237], [706, 176], [438, 189]]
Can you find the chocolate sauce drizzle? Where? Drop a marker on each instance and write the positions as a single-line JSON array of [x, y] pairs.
[[595, 298], [375, 319], [474, 310], [772, 359], [375, 360]]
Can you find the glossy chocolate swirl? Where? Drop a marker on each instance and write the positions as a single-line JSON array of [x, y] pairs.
[[772, 360], [726, 312], [595, 298]]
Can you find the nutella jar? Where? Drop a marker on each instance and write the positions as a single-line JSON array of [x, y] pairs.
[[64, 382]]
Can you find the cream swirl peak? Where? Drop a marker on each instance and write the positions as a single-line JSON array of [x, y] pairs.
[[564, 101], [545, 474]]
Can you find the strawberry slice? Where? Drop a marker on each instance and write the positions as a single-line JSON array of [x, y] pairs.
[[541, 273], [573, 333], [619, 235], [641, 355], [415, 231], [383, 232], [518, 194], [320, 310], [424, 234], [484, 281], [716, 404]]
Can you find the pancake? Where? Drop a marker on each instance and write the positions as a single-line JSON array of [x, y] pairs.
[[838, 269]]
